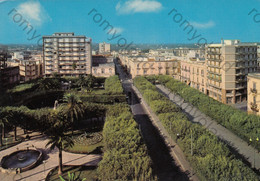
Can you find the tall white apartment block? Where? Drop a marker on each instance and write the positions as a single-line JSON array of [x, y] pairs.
[[67, 54], [104, 47]]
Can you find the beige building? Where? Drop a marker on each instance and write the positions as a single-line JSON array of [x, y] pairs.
[[30, 69], [104, 48], [227, 65], [142, 65], [103, 66], [253, 90], [67, 54], [193, 72]]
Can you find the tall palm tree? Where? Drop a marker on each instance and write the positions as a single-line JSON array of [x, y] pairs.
[[57, 138], [73, 108]]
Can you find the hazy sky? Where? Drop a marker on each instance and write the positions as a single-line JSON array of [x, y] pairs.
[[138, 21]]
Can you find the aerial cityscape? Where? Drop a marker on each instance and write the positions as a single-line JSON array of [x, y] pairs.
[[140, 90]]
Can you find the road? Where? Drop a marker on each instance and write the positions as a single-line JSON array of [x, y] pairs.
[[242, 147], [167, 158]]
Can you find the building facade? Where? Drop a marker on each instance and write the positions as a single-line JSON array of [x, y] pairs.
[[227, 65], [67, 54], [103, 66], [30, 69], [142, 65], [193, 73], [9, 75], [253, 96], [104, 48]]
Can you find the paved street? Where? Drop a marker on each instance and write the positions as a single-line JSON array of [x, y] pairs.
[[51, 157], [251, 154]]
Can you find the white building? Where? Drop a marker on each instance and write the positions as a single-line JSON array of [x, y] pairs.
[[104, 47], [67, 54]]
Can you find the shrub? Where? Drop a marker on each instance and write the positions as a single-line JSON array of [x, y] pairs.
[[244, 125], [126, 156], [211, 158]]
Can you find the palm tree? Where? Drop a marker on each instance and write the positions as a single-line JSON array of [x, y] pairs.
[[73, 108], [57, 138]]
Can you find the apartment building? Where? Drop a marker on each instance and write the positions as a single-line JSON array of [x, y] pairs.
[[67, 54], [253, 90], [104, 48], [30, 69], [227, 66]]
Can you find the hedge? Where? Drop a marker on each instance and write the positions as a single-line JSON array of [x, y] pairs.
[[113, 85], [211, 158], [244, 125], [126, 156]]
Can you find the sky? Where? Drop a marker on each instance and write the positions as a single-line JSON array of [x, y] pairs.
[[133, 21]]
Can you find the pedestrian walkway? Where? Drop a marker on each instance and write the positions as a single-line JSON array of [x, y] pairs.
[[40, 172], [242, 147]]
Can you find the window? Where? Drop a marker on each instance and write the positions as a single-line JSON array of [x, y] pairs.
[[102, 71], [110, 70], [254, 85], [95, 71], [254, 99]]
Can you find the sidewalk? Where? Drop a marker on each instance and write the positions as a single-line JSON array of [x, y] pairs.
[[176, 152], [242, 147], [40, 172]]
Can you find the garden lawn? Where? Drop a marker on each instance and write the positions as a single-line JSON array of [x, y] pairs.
[[80, 172]]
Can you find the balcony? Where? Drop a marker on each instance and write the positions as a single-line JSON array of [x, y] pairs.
[[254, 107], [213, 52], [253, 90]]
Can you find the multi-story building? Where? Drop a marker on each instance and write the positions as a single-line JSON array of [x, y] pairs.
[[142, 65], [253, 90], [227, 65], [30, 69], [193, 72], [67, 54], [9, 76], [104, 48]]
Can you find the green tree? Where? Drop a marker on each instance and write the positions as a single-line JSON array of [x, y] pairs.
[[57, 138], [73, 108]]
